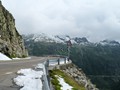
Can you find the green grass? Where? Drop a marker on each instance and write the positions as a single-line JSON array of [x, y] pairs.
[[67, 79], [55, 81]]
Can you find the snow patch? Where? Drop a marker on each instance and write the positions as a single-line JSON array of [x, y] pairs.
[[65, 86], [39, 66], [4, 57], [29, 79]]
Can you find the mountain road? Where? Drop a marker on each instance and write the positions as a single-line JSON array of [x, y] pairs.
[[8, 70]]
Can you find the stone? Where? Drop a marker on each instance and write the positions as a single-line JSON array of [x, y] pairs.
[[11, 42], [79, 76]]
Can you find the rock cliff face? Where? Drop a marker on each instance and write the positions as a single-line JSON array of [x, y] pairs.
[[78, 75], [11, 42]]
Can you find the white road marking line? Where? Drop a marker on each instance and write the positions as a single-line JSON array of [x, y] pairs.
[[9, 73]]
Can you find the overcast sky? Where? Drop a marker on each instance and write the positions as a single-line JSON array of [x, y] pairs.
[[94, 19]]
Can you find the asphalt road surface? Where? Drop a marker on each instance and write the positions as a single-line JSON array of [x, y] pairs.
[[8, 70]]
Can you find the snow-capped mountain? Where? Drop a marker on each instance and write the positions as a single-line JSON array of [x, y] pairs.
[[38, 37], [109, 42], [57, 38], [44, 38], [64, 38]]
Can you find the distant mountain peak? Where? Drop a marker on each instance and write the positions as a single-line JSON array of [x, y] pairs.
[[57, 38], [109, 42], [64, 38], [81, 40]]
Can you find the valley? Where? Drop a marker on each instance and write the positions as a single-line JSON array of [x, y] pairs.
[[100, 61]]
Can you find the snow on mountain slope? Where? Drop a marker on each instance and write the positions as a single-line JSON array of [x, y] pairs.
[[4, 57], [48, 38], [64, 38], [109, 42], [44, 38]]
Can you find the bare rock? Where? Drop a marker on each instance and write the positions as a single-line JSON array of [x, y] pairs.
[[11, 42]]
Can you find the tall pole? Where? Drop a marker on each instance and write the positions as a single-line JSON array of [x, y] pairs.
[[69, 44], [68, 53]]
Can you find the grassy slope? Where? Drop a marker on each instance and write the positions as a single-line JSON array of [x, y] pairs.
[[67, 79]]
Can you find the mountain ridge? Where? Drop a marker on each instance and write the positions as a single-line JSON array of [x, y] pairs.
[[63, 38]]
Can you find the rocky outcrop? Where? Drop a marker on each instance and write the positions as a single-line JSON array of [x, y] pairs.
[[11, 42], [81, 40], [78, 75]]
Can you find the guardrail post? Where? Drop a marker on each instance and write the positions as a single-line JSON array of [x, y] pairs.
[[58, 61], [65, 60], [48, 63], [45, 77], [68, 59]]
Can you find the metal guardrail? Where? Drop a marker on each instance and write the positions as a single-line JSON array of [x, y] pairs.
[[46, 78], [46, 85]]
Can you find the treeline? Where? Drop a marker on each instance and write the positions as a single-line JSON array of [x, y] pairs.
[[45, 48]]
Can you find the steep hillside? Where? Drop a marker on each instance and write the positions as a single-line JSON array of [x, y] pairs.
[[11, 42], [73, 75], [100, 62]]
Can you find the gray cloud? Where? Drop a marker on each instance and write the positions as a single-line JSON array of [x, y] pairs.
[[95, 19]]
